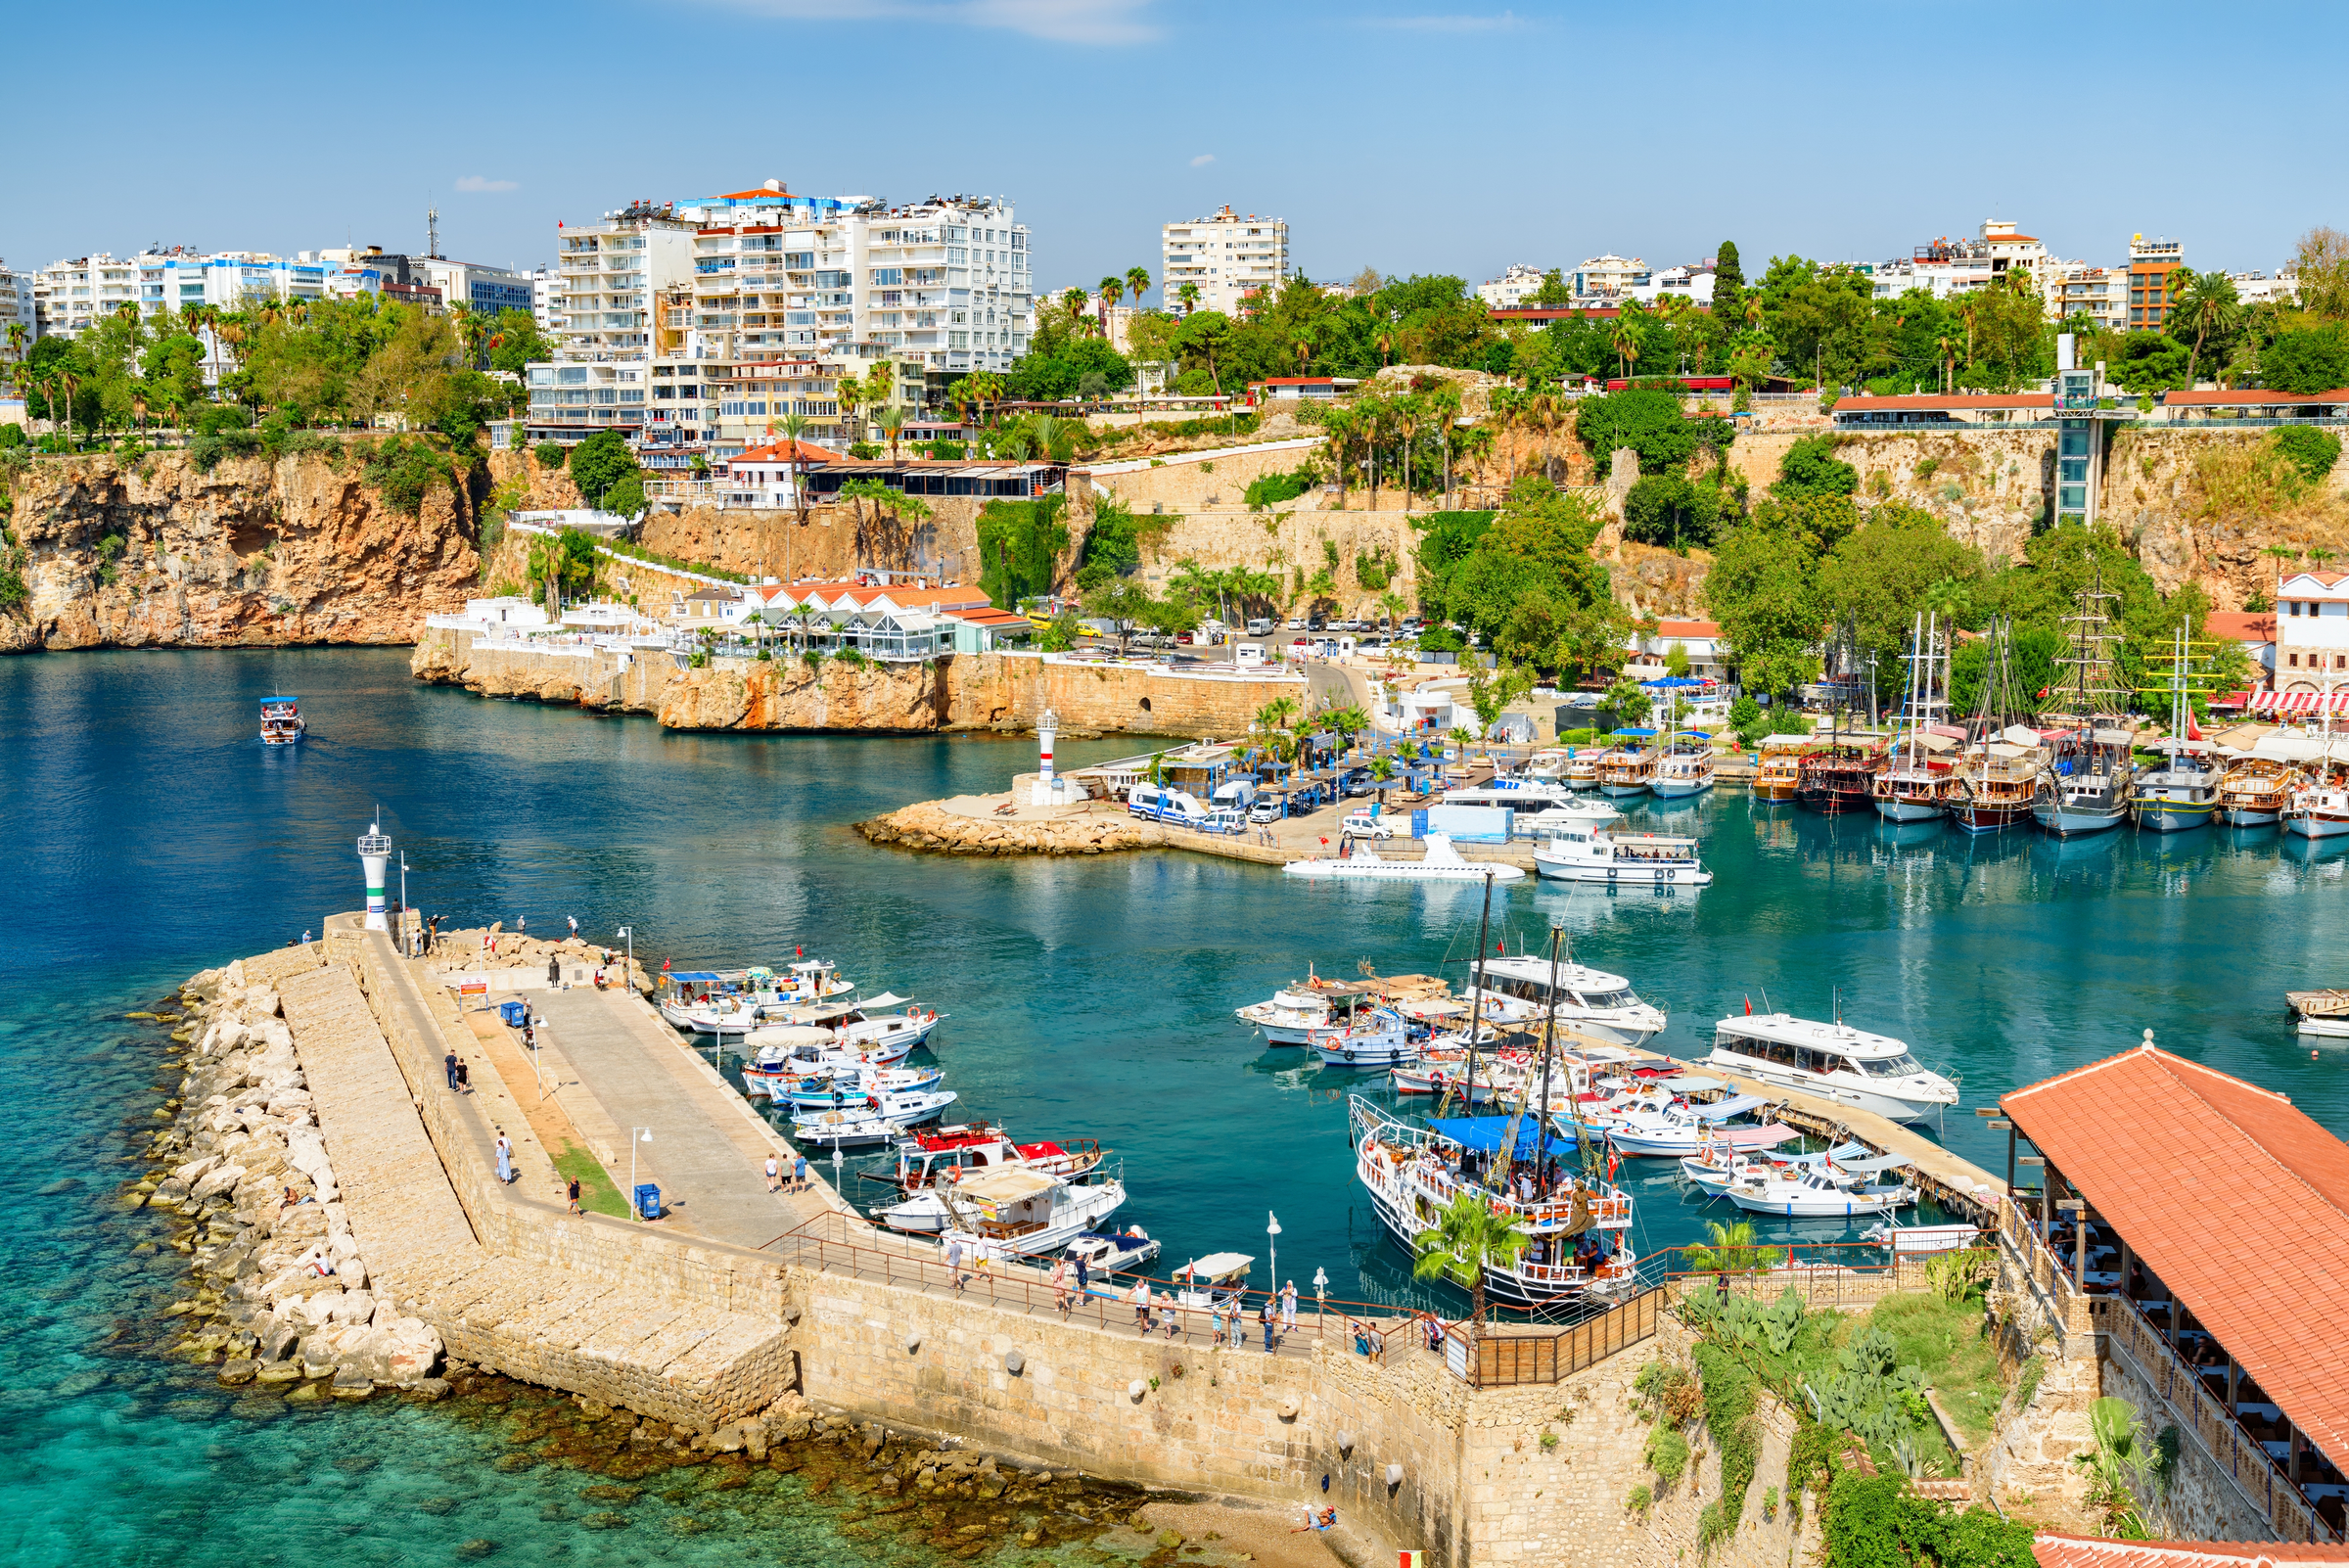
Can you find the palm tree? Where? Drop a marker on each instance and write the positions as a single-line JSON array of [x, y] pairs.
[[849, 392], [1138, 284], [1391, 607], [1947, 346], [2208, 304], [1468, 1237], [1382, 774], [1733, 1251], [71, 384], [793, 428], [1112, 291], [804, 614], [1626, 344], [1187, 295], [891, 423], [1337, 427]]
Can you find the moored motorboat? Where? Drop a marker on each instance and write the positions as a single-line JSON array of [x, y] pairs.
[[1381, 1037], [1440, 862], [1825, 1191], [1629, 767], [878, 1120], [1686, 769], [2319, 810], [1833, 1061], [1106, 1251], [1284, 1016], [1578, 853], [2182, 793], [2256, 790], [1778, 769], [1015, 1212]]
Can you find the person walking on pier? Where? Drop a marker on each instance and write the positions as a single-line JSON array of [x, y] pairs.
[[798, 1172], [774, 1174], [450, 1065], [954, 1260], [1270, 1315], [505, 1160], [464, 1077], [1141, 1306], [1060, 1285], [574, 1194]]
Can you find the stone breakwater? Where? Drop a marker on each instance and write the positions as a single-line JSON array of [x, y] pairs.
[[932, 825], [281, 1287]]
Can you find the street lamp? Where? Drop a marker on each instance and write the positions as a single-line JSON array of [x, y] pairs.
[[1273, 1235], [1320, 1299], [630, 933], [636, 1135]]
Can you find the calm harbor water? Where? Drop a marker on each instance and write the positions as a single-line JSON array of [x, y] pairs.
[[146, 835]]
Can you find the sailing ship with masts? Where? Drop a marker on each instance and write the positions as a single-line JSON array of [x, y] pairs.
[[1840, 773], [2184, 792], [2087, 781], [1997, 778], [1914, 785]]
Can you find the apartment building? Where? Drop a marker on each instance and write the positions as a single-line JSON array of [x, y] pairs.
[[546, 298], [1609, 276], [2312, 632], [68, 296], [1512, 289], [945, 285], [1946, 268], [1226, 256], [614, 275], [726, 408], [16, 306], [2102, 294], [2150, 297]]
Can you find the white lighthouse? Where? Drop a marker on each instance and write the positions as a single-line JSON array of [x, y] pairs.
[[1048, 726], [375, 854]]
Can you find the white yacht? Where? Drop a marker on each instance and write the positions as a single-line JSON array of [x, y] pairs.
[[1441, 863], [1378, 1038], [1686, 769], [1824, 1191], [1590, 1001], [1580, 853], [1833, 1061], [1016, 1209], [1526, 797], [1290, 1012], [2317, 811]]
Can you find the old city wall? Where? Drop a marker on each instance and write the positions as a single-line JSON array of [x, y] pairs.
[[254, 553], [962, 691]]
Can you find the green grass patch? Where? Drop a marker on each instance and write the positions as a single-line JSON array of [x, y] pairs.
[[1944, 1338], [598, 1192]]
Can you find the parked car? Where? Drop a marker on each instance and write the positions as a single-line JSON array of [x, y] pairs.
[[1361, 786], [1265, 811], [1362, 825]]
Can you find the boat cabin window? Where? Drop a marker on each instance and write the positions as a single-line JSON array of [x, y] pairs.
[[1900, 1066], [1606, 998], [1532, 991]]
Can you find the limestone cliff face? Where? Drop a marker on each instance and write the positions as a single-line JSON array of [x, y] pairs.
[[789, 693], [254, 553]]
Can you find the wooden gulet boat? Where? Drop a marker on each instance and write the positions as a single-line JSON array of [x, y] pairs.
[[1839, 776], [1780, 769], [1914, 786], [2256, 791], [1995, 782]]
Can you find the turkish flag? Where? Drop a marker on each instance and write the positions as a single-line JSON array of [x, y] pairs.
[[2193, 732]]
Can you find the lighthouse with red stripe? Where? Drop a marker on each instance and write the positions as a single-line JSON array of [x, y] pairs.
[[1048, 726]]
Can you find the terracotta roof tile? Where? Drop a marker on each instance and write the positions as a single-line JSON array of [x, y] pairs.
[[2228, 1193], [2090, 1551]]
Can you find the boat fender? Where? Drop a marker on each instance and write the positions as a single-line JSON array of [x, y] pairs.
[[1610, 873]]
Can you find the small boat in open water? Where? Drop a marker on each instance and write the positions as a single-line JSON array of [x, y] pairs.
[[282, 723]]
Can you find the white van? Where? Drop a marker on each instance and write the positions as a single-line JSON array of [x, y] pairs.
[[1258, 627], [1238, 794], [1160, 803]]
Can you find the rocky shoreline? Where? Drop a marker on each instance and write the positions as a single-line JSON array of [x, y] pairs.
[[279, 1288], [929, 825]]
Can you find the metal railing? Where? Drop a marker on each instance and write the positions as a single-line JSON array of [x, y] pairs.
[[1517, 1357], [2129, 1333]]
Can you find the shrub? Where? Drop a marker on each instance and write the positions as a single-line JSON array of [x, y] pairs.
[[2313, 451], [404, 471], [1810, 468], [550, 454], [1926, 467], [1667, 1454], [1271, 489], [11, 436], [863, 452], [213, 418], [1639, 1499]]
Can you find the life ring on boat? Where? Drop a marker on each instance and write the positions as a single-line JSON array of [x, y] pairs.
[[1610, 873], [1669, 875]]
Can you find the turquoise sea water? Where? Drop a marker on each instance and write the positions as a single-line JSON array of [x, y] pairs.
[[145, 834]]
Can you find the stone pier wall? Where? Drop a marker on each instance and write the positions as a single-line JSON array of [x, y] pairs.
[[957, 692]]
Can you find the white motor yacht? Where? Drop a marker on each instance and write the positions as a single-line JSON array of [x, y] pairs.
[[1573, 853], [2318, 811], [1441, 863], [1018, 1208], [1824, 1191], [1301, 1006], [1833, 1061], [1528, 797], [1592, 1002], [1376, 1038]]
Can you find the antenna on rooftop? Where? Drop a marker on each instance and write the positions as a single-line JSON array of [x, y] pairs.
[[432, 232]]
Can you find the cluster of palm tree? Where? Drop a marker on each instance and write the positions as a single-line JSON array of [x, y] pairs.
[[1079, 310], [886, 521], [1380, 426]]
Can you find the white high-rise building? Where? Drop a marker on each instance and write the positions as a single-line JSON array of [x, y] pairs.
[[16, 306], [546, 298], [615, 274], [1226, 256], [944, 285], [70, 294], [1512, 289]]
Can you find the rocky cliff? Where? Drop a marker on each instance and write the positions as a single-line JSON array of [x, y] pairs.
[[155, 553]]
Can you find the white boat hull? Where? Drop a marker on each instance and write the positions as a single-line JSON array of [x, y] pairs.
[[1403, 871], [1555, 869], [1908, 811], [1077, 1211], [2306, 826], [1883, 1105], [1810, 1203]]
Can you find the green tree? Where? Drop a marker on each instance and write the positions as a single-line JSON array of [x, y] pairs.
[[1468, 1237], [1124, 602], [2307, 359], [1810, 468], [1762, 591], [1729, 281], [2203, 304], [600, 463], [1880, 578]]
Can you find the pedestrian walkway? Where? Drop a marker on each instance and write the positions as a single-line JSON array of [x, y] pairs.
[[707, 1154]]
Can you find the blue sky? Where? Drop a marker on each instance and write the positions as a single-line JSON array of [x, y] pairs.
[[1409, 138]]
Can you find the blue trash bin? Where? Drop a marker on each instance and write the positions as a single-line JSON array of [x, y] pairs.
[[648, 1201], [516, 1014]]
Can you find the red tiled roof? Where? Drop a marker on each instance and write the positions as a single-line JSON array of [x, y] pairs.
[[2327, 579], [1864, 402], [992, 616], [2056, 1551], [2232, 1196], [1688, 629], [2241, 626], [2206, 399], [780, 452]]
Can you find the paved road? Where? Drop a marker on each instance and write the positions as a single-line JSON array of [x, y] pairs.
[[708, 1165]]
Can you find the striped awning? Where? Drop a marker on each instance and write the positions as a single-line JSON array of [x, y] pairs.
[[2298, 702]]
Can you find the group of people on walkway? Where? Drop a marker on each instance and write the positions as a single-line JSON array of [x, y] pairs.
[[776, 1182]]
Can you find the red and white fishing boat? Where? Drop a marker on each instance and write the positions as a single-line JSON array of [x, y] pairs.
[[954, 1153]]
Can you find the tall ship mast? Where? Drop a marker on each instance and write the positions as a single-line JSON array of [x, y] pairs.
[[1915, 786], [2184, 792], [1996, 780], [2087, 784]]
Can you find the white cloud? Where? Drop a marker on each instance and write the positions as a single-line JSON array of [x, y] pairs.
[[1505, 21], [1076, 21], [481, 184], [1203, 160]]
